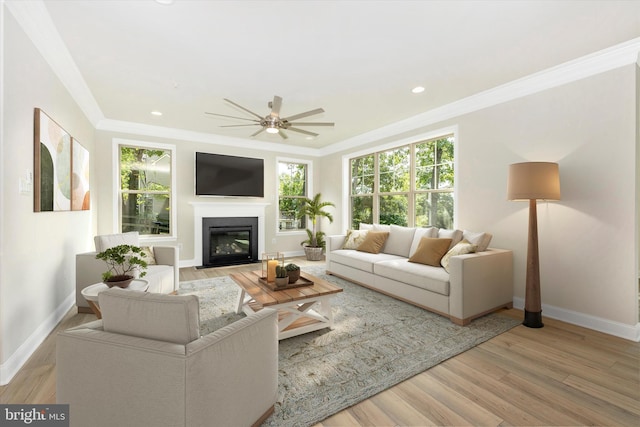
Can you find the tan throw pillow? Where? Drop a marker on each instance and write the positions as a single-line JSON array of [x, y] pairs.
[[430, 251], [354, 239], [373, 242], [461, 248]]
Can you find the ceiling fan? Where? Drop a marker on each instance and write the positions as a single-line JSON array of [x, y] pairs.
[[273, 123]]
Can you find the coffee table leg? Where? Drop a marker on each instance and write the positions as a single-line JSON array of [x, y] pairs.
[[240, 301]]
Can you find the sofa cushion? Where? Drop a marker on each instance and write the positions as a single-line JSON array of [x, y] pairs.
[[454, 235], [480, 239], [430, 251], [373, 241], [365, 226], [382, 227], [170, 318], [419, 234], [107, 241], [434, 279], [160, 278], [354, 238], [461, 248], [360, 260], [399, 241]]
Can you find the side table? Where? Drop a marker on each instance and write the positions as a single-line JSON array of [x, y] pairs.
[[90, 293]]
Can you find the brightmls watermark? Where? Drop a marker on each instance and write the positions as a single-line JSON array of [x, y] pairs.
[[35, 415]]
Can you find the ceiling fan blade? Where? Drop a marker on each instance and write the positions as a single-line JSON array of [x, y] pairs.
[[282, 134], [305, 114], [235, 126], [306, 132], [242, 108], [256, 133], [312, 124], [275, 106], [232, 117]]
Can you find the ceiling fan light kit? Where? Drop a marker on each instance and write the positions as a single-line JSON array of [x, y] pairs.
[[273, 123]]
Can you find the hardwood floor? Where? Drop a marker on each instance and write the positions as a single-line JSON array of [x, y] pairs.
[[558, 375]]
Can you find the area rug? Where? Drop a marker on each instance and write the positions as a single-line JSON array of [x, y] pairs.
[[376, 342]]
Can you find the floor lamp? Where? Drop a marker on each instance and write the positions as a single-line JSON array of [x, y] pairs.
[[532, 181]]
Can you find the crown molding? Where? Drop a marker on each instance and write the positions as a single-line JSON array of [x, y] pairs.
[[599, 62], [192, 136], [36, 22]]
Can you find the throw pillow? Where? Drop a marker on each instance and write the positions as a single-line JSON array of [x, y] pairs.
[[364, 226], [354, 239], [461, 248], [430, 251], [454, 235], [147, 255], [399, 241], [373, 242], [480, 239], [419, 234]]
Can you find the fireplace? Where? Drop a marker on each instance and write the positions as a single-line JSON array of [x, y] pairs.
[[229, 241]]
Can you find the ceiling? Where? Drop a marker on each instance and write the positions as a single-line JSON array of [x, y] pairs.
[[358, 60]]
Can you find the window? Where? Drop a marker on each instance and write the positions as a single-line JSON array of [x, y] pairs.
[[146, 183], [411, 185], [292, 190]]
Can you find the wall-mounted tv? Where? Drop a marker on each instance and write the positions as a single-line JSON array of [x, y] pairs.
[[221, 175]]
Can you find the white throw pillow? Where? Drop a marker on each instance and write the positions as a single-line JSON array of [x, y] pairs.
[[354, 239], [454, 235], [461, 248], [419, 234], [399, 241], [364, 226], [481, 239]]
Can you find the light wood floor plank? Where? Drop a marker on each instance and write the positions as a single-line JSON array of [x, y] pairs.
[[557, 375]]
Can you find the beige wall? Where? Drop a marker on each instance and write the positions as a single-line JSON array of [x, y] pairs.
[[587, 239], [37, 250]]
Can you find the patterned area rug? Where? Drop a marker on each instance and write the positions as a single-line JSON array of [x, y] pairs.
[[376, 342]]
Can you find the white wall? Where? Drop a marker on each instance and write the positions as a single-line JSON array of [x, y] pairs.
[[588, 240], [37, 250], [185, 152]]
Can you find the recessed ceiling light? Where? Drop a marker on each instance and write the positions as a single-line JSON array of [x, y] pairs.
[[156, 113], [165, 2], [417, 89]]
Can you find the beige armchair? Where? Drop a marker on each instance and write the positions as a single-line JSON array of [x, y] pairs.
[[163, 276], [144, 364]]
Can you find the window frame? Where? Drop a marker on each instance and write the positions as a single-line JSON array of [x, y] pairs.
[[117, 208], [411, 142], [309, 190]]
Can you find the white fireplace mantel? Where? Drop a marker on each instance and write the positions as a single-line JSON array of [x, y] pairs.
[[222, 210]]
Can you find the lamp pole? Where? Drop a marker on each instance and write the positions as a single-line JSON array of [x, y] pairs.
[[532, 298]]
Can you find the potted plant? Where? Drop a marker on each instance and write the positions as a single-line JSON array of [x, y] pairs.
[[282, 279], [123, 261], [314, 209], [293, 271]]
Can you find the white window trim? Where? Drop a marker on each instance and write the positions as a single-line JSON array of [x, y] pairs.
[[116, 143], [346, 168], [310, 192]]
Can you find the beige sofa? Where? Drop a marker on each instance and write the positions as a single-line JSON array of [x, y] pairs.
[[145, 364], [163, 275], [474, 285]]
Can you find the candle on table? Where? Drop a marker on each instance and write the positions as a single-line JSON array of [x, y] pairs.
[[271, 270]]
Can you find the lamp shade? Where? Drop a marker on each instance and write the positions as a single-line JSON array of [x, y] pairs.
[[533, 180]]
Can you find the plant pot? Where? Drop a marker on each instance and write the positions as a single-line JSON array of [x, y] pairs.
[[282, 281], [313, 254], [119, 281], [293, 276]]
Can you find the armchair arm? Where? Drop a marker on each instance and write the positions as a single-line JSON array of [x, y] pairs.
[[169, 255], [232, 373], [480, 283]]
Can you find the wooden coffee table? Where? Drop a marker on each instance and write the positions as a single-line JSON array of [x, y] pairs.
[[300, 310]]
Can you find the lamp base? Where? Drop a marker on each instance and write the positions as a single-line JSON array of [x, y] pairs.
[[533, 319]]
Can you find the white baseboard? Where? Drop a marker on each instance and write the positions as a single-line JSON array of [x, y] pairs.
[[629, 332], [13, 364]]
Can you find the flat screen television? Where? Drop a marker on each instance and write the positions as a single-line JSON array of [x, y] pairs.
[[221, 175]]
